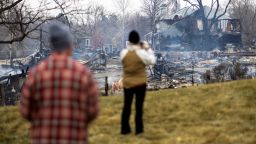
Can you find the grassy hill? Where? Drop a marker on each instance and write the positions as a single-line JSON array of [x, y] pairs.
[[211, 114]]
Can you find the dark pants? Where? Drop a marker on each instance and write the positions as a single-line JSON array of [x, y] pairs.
[[140, 93]]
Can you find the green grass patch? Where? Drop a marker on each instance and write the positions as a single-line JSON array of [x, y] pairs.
[[210, 114]]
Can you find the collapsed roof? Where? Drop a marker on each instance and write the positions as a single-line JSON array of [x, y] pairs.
[[187, 11], [171, 29]]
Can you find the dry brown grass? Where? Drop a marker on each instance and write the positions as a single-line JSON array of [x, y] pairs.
[[210, 114]]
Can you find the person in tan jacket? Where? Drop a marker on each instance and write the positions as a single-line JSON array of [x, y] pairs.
[[135, 58]]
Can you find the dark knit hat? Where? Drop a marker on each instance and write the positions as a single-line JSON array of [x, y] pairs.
[[134, 37], [60, 37]]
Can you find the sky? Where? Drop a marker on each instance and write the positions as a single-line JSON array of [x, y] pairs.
[[111, 6], [135, 5]]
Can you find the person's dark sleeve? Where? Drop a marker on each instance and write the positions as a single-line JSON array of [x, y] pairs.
[[26, 101]]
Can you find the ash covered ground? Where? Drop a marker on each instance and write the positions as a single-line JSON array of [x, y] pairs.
[[178, 67]]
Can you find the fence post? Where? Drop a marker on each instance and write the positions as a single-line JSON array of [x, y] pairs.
[[106, 86]]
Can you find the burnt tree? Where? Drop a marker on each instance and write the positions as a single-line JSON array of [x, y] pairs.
[[152, 9], [207, 25]]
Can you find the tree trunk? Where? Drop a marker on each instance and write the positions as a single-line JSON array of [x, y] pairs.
[[153, 39], [207, 37], [206, 34]]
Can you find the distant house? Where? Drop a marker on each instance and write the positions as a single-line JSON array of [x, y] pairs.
[[184, 30], [109, 48], [84, 43]]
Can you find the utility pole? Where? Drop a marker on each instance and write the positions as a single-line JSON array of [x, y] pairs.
[[41, 40], [122, 5], [10, 52], [123, 26]]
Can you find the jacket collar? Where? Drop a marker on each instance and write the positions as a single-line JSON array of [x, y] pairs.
[[132, 47]]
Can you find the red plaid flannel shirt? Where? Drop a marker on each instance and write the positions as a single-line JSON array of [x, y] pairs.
[[60, 99]]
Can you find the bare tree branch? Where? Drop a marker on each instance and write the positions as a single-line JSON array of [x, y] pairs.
[[225, 11], [123, 5], [10, 6], [192, 4], [20, 20], [212, 5], [25, 22]]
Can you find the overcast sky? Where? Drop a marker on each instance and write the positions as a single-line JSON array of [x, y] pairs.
[[111, 6], [135, 5]]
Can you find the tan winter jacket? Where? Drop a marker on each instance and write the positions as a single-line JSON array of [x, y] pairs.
[[135, 60]]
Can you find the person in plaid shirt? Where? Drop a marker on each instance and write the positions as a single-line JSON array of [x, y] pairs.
[[59, 97]]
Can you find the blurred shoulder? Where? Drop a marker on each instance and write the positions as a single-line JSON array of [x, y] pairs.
[[123, 53]]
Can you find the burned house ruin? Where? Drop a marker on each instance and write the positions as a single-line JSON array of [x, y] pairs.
[[184, 30]]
